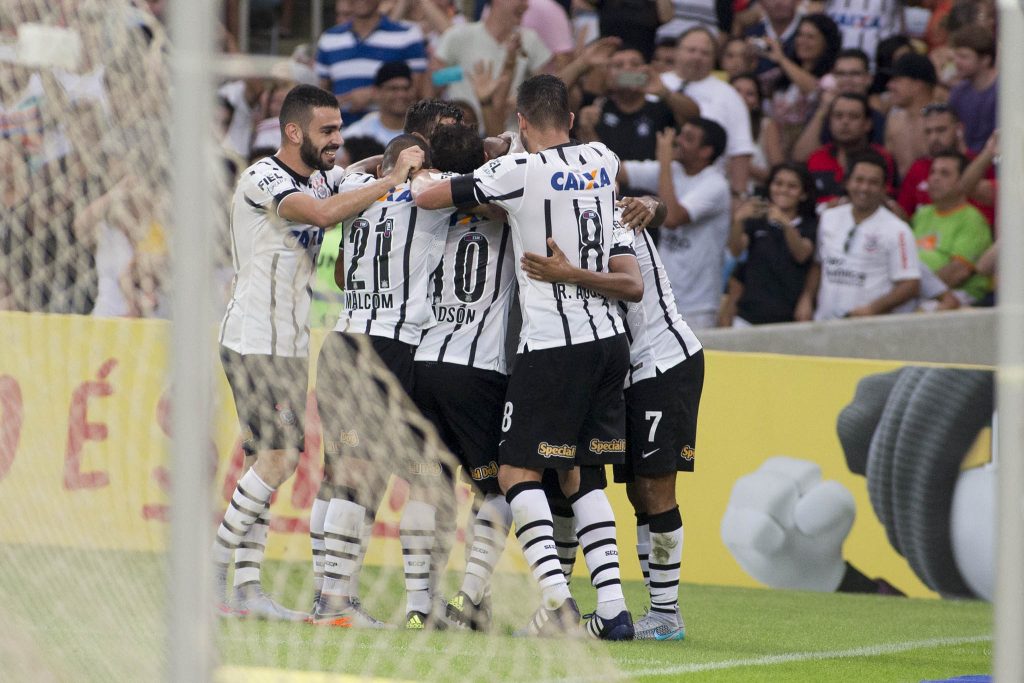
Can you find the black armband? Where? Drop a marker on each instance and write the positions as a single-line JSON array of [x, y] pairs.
[[464, 191]]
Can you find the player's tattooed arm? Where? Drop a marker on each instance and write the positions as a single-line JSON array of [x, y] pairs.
[[639, 213], [326, 213], [624, 282]]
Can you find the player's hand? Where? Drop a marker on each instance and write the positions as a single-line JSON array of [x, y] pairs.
[[409, 161], [637, 212], [786, 527], [554, 268]]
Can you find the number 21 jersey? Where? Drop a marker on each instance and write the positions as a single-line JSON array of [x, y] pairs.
[[390, 250]]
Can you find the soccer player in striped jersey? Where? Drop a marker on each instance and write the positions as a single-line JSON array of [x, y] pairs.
[[461, 369], [564, 408], [279, 212], [663, 392], [391, 249], [421, 119]]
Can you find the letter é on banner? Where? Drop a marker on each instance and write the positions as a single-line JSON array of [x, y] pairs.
[[11, 416]]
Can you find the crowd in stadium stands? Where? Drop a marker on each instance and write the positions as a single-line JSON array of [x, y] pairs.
[[856, 177]]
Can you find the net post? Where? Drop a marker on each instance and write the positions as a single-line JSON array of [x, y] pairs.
[[190, 612], [1008, 658]]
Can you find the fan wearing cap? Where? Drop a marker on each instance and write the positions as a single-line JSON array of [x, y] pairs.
[[912, 87], [393, 93]]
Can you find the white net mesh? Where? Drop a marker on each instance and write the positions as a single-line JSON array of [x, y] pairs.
[[84, 427], [83, 139]]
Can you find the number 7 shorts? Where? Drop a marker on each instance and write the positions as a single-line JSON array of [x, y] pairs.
[[661, 421]]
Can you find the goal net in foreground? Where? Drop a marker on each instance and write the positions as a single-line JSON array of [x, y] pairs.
[[86, 411]]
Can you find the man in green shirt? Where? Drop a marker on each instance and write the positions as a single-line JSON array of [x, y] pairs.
[[951, 234]]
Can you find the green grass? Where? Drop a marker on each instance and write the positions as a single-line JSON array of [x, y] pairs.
[[100, 616]]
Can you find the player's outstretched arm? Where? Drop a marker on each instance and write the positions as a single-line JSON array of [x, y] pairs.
[[326, 213], [624, 282], [433, 195]]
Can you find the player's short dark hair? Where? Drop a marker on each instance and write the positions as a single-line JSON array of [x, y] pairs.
[[361, 147], [422, 116], [396, 146], [712, 135], [300, 102], [868, 156], [543, 100], [855, 53], [456, 149], [961, 160]]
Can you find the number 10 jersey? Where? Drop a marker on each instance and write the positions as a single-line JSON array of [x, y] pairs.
[[471, 292]]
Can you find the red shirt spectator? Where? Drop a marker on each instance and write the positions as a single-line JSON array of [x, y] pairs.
[[849, 123], [828, 173]]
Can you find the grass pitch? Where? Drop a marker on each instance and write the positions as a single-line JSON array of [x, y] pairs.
[[85, 616]]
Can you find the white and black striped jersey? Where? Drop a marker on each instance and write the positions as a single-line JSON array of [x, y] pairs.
[[274, 261], [471, 292], [390, 249], [565, 192], [666, 340]]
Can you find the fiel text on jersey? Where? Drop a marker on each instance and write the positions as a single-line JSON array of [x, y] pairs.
[[570, 180]]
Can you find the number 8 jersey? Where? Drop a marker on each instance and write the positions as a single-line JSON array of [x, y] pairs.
[[390, 249], [568, 193]]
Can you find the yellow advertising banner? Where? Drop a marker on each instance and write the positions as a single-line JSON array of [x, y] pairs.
[[84, 434]]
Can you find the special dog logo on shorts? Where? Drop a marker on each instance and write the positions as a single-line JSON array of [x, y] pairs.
[[286, 415], [597, 447], [425, 469], [550, 450], [687, 453], [488, 471]]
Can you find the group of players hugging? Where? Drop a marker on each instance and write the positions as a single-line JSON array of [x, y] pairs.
[[441, 233]]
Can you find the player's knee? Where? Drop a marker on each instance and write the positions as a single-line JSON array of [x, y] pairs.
[[274, 467], [589, 479], [655, 494], [509, 476], [636, 499]]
